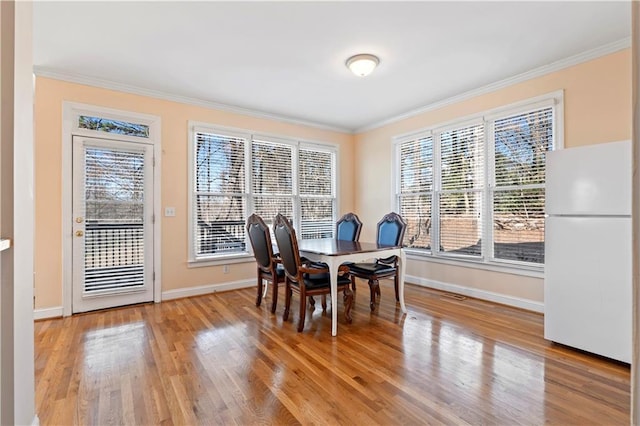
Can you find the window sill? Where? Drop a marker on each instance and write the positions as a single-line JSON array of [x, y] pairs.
[[506, 268], [220, 260]]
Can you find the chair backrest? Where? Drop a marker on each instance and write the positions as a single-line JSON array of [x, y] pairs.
[[348, 227], [260, 239], [391, 229], [287, 245]]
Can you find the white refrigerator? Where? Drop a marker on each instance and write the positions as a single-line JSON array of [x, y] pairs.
[[587, 289]]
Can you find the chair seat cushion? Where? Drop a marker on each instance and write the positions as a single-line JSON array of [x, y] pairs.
[[371, 269], [323, 280]]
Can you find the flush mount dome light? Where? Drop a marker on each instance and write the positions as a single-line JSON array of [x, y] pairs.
[[363, 64]]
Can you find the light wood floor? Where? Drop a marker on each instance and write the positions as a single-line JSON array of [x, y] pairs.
[[217, 359]]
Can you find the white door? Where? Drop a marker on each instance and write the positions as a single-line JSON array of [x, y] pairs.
[[112, 223]]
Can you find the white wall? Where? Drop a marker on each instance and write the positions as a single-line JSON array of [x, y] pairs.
[[17, 382]]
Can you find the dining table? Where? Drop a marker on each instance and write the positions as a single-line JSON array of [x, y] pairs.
[[336, 252]]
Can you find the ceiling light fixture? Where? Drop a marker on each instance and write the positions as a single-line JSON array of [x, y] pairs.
[[362, 65]]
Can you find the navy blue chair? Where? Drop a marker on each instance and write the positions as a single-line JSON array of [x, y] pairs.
[[348, 227], [269, 268], [390, 233]]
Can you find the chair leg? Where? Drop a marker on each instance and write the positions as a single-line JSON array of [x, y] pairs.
[[312, 302], [374, 288], [396, 278], [348, 304], [324, 303], [303, 308], [274, 296], [259, 294], [353, 283], [287, 301]]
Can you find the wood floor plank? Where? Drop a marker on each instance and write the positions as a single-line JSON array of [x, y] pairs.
[[217, 359]]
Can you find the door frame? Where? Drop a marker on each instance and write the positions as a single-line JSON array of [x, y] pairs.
[[70, 113]]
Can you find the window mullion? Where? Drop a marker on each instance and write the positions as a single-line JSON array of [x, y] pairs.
[[295, 173], [489, 184], [435, 198]]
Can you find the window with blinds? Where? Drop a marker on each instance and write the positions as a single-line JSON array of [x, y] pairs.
[[460, 195], [235, 175], [114, 229], [219, 209], [416, 190], [478, 191], [520, 145], [272, 179], [317, 200]]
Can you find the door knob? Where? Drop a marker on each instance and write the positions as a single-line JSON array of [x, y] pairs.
[[79, 233]]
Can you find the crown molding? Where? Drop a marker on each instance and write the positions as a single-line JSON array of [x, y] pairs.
[[537, 72], [56, 74]]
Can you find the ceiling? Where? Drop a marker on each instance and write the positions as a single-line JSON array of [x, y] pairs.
[[287, 59]]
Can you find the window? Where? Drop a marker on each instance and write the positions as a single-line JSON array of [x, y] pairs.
[[317, 200], [475, 190], [460, 192], [236, 174], [107, 125], [219, 197]]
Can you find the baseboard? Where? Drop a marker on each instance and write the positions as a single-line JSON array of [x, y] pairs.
[[57, 312], [517, 302], [47, 313], [207, 289]]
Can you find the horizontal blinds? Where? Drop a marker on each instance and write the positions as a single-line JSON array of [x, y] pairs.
[[415, 209], [219, 201], [316, 173], [268, 207], [461, 223], [271, 168], [220, 164], [460, 200], [518, 225], [416, 165], [272, 180], [520, 145], [462, 158], [114, 220], [416, 187], [219, 224], [317, 219], [114, 185]]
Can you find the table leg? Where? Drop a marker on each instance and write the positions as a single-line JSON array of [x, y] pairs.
[[402, 265], [333, 273]]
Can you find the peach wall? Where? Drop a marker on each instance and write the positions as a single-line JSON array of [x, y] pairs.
[[597, 109], [50, 95]]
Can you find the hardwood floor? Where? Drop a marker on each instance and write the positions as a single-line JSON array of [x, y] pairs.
[[217, 359]]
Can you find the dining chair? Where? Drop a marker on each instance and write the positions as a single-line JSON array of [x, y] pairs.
[[269, 267], [348, 227], [305, 277], [390, 232]]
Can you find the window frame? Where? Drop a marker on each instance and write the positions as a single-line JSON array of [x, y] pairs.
[[487, 259], [248, 195]]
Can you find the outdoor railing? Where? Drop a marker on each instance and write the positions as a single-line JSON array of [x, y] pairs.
[[113, 244]]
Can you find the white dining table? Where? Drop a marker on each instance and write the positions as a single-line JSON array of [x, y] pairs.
[[336, 252]]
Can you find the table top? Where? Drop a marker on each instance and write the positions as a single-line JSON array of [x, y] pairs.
[[332, 247]]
